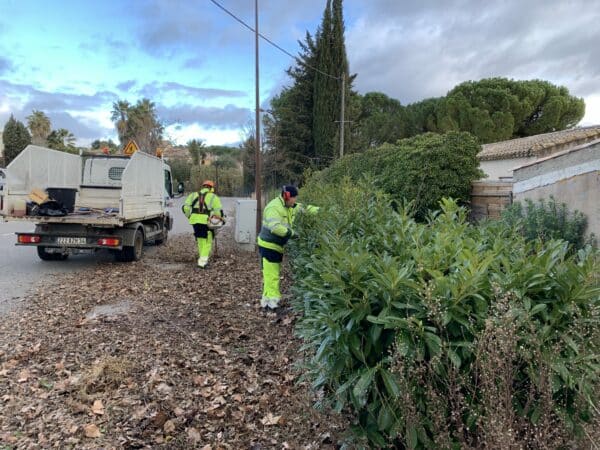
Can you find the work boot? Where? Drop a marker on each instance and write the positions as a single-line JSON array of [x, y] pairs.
[[202, 262], [273, 303]]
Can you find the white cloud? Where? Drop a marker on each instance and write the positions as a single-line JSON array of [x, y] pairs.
[[210, 136], [592, 110]]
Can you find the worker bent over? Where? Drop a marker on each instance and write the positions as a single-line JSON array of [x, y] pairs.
[[276, 230], [203, 209]]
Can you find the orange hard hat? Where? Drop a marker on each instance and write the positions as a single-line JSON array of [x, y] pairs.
[[208, 183]]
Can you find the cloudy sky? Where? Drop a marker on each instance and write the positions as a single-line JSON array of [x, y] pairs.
[[72, 59]]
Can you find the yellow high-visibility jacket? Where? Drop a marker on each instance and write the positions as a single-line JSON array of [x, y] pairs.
[[277, 223], [198, 213]]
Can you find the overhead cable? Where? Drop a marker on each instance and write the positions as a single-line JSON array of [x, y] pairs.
[[271, 42]]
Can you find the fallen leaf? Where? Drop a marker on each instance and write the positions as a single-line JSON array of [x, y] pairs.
[[193, 435], [270, 419], [23, 376], [169, 426], [98, 407], [164, 388], [160, 419], [92, 431]]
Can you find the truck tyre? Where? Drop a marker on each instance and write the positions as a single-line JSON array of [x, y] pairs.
[[133, 252], [46, 256], [163, 239]]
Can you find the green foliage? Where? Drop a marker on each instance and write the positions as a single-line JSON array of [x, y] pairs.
[[248, 165], [40, 127], [15, 138], [444, 335], [62, 140], [138, 122], [382, 120], [498, 109], [225, 152], [197, 151], [546, 220], [300, 128], [99, 144], [422, 169], [332, 65], [180, 170], [228, 181]]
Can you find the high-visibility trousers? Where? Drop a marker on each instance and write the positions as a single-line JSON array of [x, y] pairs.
[[271, 269], [204, 238]]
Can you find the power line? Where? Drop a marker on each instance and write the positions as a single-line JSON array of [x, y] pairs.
[[271, 42]]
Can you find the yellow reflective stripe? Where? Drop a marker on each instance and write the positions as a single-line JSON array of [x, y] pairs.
[[270, 245]]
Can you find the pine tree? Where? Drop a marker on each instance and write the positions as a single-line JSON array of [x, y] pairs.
[[15, 138]]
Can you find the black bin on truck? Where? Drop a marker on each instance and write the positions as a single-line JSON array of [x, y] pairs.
[[65, 196]]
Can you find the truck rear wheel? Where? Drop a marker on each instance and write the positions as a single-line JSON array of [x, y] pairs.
[[162, 239], [47, 256], [133, 252]]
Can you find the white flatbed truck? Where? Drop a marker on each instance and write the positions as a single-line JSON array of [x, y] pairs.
[[120, 202]]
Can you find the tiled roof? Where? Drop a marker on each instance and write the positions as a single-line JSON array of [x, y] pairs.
[[540, 145]]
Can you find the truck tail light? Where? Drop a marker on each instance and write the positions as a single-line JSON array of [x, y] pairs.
[[28, 239], [109, 242]]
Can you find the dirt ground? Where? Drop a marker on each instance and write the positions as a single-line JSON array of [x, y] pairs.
[[157, 354]]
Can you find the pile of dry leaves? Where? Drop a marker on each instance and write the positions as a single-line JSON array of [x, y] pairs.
[[156, 354]]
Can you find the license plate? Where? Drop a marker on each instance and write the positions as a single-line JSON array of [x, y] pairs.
[[71, 240]]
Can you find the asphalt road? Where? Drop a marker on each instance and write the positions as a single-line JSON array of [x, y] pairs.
[[21, 269]]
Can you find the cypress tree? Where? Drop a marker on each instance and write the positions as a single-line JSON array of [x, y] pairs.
[[332, 63], [288, 130], [15, 138]]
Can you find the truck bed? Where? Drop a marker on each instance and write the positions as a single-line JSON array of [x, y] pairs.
[[93, 218]]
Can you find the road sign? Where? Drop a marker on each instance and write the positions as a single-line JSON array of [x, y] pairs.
[[130, 148]]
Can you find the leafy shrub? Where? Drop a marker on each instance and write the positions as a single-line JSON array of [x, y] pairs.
[[547, 220], [180, 170], [229, 182], [422, 169], [445, 335]]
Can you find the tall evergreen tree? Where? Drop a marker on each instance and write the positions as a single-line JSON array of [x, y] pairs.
[[302, 128], [332, 65], [288, 126], [15, 138], [324, 108]]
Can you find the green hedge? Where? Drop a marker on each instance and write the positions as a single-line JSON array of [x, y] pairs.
[[548, 219], [445, 335], [422, 169]]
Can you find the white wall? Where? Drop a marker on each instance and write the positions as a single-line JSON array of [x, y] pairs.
[[503, 168], [571, 177]]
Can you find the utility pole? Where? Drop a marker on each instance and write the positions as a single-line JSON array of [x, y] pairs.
[[342, 123], [257, 156]]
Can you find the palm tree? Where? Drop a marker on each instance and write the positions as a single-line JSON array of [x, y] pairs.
[[120, 116], [62, 139], [40, 127], [197, 150]]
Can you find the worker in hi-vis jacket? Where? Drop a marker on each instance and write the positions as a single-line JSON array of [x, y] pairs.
[[204, 211], [278, 219]]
